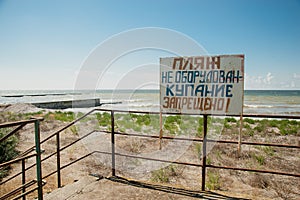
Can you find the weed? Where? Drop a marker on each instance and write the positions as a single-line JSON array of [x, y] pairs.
[[136, 145], [198, 148], [208, 160], [273, 123], [103, 119], [143, 120], [213, 180], [259, 128], [137, 128], [29, 115], [260, 159], [163, 175], [249, 120], [61, 116], [268, 150], [160, 176], [250, 132], [227, 126], [247, 126], [230, 119], [287, 127], [172, 124], [199, 131], [200, 121], [74, 130]]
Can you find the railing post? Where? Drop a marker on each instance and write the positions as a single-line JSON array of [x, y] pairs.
[[23, 178], [204, 151], [113, 163], [38, 159], [58, 160]]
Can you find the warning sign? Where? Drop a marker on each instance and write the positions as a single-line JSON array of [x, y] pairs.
[[202, 84]]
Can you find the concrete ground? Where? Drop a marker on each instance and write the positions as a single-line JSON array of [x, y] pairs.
[[91, 187]]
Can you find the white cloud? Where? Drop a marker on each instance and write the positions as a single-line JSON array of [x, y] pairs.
[[268, 78], [296, 76], [259, 82]]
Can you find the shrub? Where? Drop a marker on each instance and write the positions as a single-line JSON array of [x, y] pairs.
[[249, 120], [7, 150], [103, 119], [230, 119], [172, 124], [259, 128]]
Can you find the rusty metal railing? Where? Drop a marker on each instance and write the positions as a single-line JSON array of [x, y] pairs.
[[39, 181], [114, 133], [204, 140]]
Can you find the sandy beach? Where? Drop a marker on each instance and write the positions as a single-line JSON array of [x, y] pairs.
[[235, 183]]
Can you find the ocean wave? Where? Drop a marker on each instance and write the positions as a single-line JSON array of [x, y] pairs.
[[145, 105], [271, 106], [258, 106]]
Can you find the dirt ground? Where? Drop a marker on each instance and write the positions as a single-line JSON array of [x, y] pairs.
[[225, 184]]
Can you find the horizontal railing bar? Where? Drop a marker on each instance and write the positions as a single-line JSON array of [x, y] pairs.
[[79, 139], [211, 166], [160, 160], [224, 115], [10, 124], [163, 137], [77, 160], [210, 140], [44, 159], [17, 160], [5, 196], [24, 153], [29, 191], [254, 170]]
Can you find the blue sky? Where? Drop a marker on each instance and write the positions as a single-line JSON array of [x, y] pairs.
[[43, 44]]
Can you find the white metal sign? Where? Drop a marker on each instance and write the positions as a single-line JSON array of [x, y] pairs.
[[202, 84]]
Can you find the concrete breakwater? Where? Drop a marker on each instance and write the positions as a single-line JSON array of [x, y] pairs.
[[85, 103]]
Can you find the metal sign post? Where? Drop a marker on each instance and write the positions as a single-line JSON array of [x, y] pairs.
[[204, 152]]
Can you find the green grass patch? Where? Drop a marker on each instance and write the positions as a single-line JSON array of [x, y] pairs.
[[172, 124], [74, 130], [230, 119], [213, 180], [269, 150], [260, 159], [104, 119], [249, 120], [61, 116], [198, 149], [163, 175]]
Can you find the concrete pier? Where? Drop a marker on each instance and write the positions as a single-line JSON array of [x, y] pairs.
[[86, 103]]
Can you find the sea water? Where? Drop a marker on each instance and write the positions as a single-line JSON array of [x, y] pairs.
[[255, 101]]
